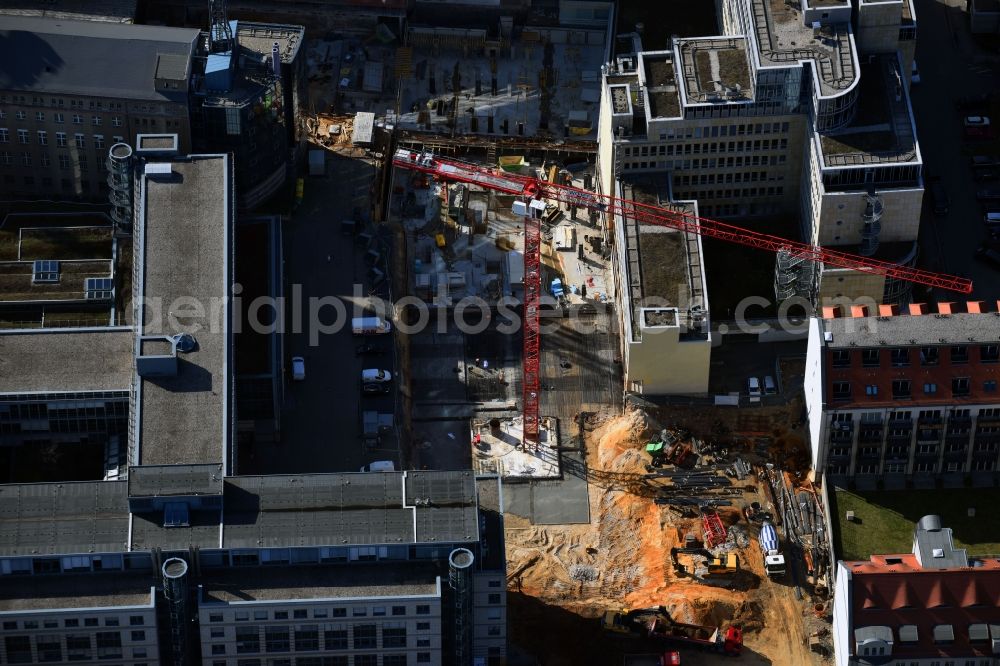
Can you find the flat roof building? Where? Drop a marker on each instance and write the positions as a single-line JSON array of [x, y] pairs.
[[138, 521], [660, 280], [735, 120]]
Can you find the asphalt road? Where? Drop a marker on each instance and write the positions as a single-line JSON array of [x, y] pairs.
[[951, 67], [321, 420]]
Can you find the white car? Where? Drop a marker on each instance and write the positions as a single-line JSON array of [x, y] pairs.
[[298, 368], [753, 387], [914, 73], [373, 376]]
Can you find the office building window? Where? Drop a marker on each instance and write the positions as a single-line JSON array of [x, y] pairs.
[[901, 388], [394, 660], [335, 639], [423, 609], [19, 115], [18, 649], [4, 135], [81, 141], [394, 635], [22, 136], [366, 660], [61, 139], [43, 138], [218, 649], [928, 356], [307, 638], [959, 354], [49, 649], [989, 353], [96, 120], [98, 141], [990, 386], [26, 159], [960, 386], [247, 640], [116, 121], [365, 636], [64, 162], [276, 639], [138, 636], [58, 117], [77, 119], [423, 657], [870, 358], [109, 645]]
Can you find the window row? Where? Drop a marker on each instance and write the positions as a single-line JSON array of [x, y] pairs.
[[734, 193], [903, 356], [713, 131], [254, 639], [337, 660], [72, 622], [320, 613], [705, 148], [903, 388]]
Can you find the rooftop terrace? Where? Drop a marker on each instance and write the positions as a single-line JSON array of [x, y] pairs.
[[662, 263], [185, 248], [26, 593], [882, 130], [715, 69], [661, 85], [783, 39], [94, 360], [260, 584]]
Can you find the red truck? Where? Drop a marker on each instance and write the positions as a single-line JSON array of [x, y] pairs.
[[656, 623], [729, 641], [670, 658]]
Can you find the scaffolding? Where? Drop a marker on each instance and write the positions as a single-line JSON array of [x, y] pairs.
[[794, 275]]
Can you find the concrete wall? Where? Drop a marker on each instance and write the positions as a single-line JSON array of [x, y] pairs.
[[666, 365], [842, 616], [813, 388], [878, 27], [840, 283], [840, 214]]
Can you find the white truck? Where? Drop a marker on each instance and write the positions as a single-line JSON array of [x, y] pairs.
[[774, 561]]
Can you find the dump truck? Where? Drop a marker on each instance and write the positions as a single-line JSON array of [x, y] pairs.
[[774, 561], [656, 623]]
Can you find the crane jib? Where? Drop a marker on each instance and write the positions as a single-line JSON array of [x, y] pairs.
[[518, 185]]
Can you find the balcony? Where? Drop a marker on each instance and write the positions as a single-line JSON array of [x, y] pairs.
[[870, 436], [841, 437], [928, 435]]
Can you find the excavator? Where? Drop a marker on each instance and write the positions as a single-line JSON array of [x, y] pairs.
[[656, 623]]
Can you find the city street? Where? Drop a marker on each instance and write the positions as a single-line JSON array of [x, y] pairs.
[[321, 421], [951, 67]]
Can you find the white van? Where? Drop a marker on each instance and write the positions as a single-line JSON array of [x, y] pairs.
[[375, 376], [380, 466], [370, 326], [298, 368]]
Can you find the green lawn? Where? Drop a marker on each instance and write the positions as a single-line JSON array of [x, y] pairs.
[[884, 520]]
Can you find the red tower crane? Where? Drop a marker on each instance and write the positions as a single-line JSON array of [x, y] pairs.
[[533, 188]]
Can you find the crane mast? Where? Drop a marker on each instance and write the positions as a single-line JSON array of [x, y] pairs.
[[533, 188]]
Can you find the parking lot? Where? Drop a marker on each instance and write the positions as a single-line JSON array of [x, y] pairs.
[[952, 66], [322, 413]]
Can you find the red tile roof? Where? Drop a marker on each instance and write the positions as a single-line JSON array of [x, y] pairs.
[[892, 590]]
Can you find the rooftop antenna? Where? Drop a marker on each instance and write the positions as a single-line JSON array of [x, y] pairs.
[[220, 34]]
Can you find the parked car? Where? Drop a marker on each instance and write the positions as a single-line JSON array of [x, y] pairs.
[[770, 387], [368, 349], [379, 466], [989, 255], [976, 127], [914, 72], [375, 389], [298, 368], [939, 197], [374, 376], [989, 194], [753, 387], [979, 161]]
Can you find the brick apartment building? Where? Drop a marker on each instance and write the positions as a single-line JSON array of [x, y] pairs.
[[905, 396], [933, 605]]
